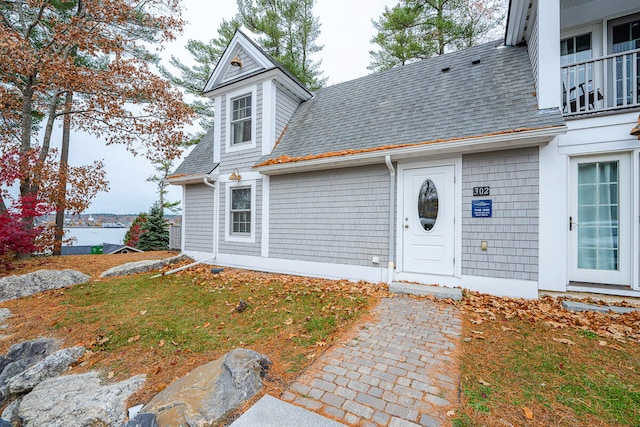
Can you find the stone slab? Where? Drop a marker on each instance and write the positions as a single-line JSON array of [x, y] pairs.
[[438, 292], [580, 306], [272, 412]]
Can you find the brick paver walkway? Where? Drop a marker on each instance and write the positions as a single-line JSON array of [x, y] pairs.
[[400, 370]]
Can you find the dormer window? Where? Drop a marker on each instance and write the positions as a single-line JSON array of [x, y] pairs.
[[241, 120]]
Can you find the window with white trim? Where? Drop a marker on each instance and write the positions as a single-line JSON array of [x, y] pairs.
[[240, 212], [241, 117]]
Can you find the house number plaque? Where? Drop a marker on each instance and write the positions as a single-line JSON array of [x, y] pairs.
[[481, 191]]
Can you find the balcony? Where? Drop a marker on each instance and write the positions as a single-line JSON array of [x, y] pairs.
[[607, 83]]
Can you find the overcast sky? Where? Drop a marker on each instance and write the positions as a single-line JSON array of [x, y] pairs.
[[345, 33]]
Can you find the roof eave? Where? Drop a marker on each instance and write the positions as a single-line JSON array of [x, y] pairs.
[[271, 73], [516, 18], [472, 144], [191, 179]]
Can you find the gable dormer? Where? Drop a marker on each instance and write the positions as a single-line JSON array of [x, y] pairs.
[[254, 97]]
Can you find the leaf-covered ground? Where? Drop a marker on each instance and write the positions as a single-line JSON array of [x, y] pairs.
[[533, 363]]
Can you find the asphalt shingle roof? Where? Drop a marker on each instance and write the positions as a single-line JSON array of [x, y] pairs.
[[200, 160], [419, 102]]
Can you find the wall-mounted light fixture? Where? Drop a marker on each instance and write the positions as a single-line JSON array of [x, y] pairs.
[[236, 62], [235, 175]]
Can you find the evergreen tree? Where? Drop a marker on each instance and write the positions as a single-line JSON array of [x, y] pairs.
[[164, 168], [155, 231], [419, 29], [288, 31], [194, 78]]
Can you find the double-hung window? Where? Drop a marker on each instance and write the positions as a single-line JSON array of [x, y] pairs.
[[240, 211], [241, 119]]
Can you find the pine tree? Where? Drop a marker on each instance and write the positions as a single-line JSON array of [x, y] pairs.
[[288, 31], [155, 231], [418, 29]]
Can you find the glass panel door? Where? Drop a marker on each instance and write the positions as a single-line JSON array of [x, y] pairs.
[[600, 227], [598, 218]]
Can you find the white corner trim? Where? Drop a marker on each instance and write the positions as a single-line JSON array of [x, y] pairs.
[[228, 237], [217, 129], [264, 250], [304, 268], [268, 116], [253, 91], [184, 218]]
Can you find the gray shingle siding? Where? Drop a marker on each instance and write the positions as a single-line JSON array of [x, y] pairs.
[[512, 232], [248, 64], [337, 216], [240, 248], [199, 214], [241, 159], [285, 107]]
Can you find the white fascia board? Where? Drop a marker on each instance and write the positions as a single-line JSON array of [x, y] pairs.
[[480, 144], [515, 21], [192, 179], [271, 74], [239, 39]]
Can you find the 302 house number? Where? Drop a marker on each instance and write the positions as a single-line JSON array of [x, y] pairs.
[[481, 191]]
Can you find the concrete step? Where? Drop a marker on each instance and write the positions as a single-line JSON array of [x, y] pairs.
[[580, 306], [272, 412], [439, 292]]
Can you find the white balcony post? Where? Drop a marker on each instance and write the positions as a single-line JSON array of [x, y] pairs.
[[549, 86]]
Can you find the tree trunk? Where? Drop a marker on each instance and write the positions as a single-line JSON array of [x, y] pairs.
[[26, 187], [62, 175]]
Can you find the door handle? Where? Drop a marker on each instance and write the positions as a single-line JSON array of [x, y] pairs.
[[406, 226], [572, 223]]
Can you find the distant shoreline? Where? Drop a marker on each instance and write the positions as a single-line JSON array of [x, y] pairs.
[[91, 226]]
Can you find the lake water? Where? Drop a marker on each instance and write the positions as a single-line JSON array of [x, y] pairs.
[[95, 235]]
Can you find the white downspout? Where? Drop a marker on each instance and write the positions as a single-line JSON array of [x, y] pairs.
[[206, 182], [392, 215]]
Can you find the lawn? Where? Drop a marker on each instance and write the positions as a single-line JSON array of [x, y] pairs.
[[531, 363], [164, 327], [522, 363]]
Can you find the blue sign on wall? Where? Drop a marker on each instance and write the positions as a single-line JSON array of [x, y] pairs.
[[482, 208]]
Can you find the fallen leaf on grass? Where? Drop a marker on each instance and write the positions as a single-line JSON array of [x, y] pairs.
[[451, 413], [484, 383], [477, 332], [528, 413], [505, 329], [161, 343], [289, 321], [556, 325], [311, 356], [110, 375], [602, 343], [132, 339], [564, 341], [143, 312]]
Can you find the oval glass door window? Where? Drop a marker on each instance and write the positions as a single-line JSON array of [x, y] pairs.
[[428, 205]]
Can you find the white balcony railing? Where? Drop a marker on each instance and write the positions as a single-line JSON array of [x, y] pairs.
[[610, 82]]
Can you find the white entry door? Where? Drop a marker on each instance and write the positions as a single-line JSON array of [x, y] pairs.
[[600, 230], [428, 220]]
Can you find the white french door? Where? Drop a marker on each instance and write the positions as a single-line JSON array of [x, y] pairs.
[[600, 229]]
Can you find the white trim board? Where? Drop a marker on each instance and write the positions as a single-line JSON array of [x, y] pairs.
[[304, 268]]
